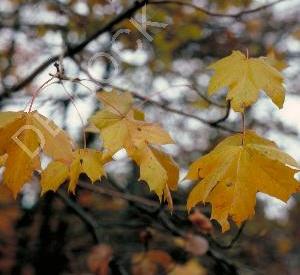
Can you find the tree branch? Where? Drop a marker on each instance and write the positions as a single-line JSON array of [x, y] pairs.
[[74, 50], [226, 115], [214, 14], [125, 196], [232, 242], [214, 124]]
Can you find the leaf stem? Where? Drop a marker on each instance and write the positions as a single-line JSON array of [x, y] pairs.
[[243, 127], [78, 112], [36, 93]]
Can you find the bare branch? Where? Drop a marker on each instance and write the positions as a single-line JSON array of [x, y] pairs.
[[222, 119], [128, 197], [214, 124], [232, 242], [74, 50], [215, 14]]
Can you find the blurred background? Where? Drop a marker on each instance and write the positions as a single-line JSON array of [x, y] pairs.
[[159, 50]]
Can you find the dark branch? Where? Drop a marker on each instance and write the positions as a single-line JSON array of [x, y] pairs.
[[215, 14], [232, 242], [222, 119], [214, 124], [74, 50]]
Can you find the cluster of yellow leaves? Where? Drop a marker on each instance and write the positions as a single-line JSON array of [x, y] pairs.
[[122, 126], [243, 164], [239, 167], [228, 177], [23, 137], [86, 161]]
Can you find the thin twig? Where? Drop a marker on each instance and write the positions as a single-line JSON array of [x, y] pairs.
[[231, 269], [214, 14], [226, 115], [117, 194], [214, 124], [128, 197], [74, 50]]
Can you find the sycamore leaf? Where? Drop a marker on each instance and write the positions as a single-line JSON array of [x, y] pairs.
[[231, 175], [86, 161], [245, 77], [119, 126], [122, 126], [158, 169], [23, 136]]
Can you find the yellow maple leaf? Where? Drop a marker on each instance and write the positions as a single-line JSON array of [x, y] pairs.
[[86, 161], [123, 127], [231, 175], [23, 136], [245, 77], [158, 169]]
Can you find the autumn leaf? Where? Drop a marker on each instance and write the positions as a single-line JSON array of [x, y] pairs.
[[231, 175], [23, 136], [158, 169], [245, 77], [122, 126], [86, 161]]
